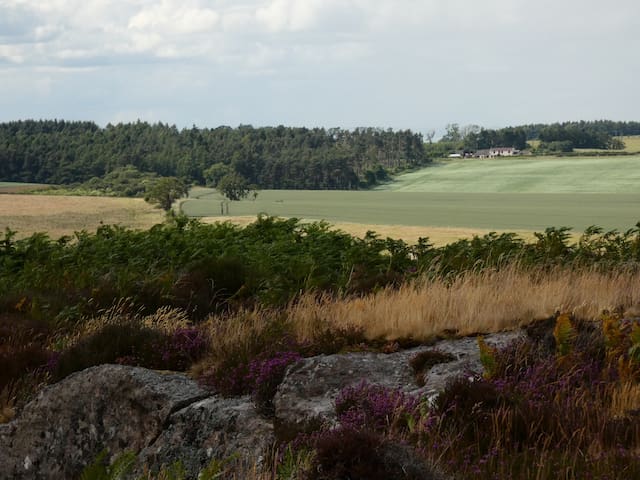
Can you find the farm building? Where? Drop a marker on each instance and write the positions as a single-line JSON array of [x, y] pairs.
[[496, 152]]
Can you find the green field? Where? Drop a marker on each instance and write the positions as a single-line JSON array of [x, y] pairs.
[[611, 175], [496, 211], [529, 193]]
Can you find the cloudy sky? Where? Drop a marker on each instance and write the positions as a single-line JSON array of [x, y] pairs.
[[416, 64]]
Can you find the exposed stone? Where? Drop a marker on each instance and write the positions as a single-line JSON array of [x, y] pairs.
[[305, 398], [166, 417], [214, 428], [69, 423]]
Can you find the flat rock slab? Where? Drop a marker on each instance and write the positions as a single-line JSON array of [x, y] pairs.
[[305, 398], [109, 406]]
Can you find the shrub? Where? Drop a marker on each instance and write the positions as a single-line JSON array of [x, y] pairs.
[[127, 343], [206, 284], [355, 454], [183, 347], [264, 375], [22, 347], [375, 407]]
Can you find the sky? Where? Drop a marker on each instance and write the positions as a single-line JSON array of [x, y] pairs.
[[418, 64]]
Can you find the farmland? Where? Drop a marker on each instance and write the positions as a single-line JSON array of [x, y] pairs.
[[525, 175], [63, 215], [13, 187], [520, 194]]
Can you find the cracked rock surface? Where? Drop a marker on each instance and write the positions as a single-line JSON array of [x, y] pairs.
[[70, 422], [305, 399]]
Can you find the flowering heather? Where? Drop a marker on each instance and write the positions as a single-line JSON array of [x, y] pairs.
[[374, 406], [184, 346], [265, 374]]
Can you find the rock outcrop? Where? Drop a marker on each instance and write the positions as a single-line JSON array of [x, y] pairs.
[[166, 417], [305, 399], [123, 409]]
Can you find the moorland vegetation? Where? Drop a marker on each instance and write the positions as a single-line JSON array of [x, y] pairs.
[[235, 306]]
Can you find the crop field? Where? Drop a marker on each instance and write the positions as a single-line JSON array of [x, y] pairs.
[[63, 215], [632, 143], [525, 175], [485, 211], [476, 195]]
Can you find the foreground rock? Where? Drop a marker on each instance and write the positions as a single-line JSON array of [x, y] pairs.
[[165, 418], [122, 409], [305, 399], [213, 428]]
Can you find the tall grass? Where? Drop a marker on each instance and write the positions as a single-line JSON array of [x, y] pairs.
[[487, 301]]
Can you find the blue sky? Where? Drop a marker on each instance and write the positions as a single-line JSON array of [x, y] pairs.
[[418, 64]]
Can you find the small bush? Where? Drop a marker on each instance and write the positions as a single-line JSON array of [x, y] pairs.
[[183, 347], [265, 374], [354, 454], [22, 347], [375, 407], [128, 343]]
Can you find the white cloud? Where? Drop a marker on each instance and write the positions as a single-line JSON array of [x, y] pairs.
[[175, 17], [386, 54]]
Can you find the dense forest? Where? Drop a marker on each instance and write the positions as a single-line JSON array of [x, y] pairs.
[[61, 152]]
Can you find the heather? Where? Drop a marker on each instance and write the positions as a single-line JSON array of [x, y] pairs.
[[236, 307], [542, 409]]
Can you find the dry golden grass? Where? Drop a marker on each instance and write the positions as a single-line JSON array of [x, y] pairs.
[[625, 398], [474, 302], [64, 215], [437, 235]]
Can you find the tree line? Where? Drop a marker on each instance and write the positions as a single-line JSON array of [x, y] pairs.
[[555, 137], [62, 152]]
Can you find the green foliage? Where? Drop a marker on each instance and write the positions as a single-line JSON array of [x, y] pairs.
[[165, 191], [215, 172], [208, 268], [59, 152], [233, 186], [487, 358], [125, 343], [126, 181], [100, 469]]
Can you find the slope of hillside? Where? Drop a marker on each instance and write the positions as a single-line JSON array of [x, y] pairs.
[[525, 175]]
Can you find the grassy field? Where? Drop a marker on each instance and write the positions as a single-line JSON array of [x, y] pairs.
[[525, 175], [60, 215], [484, 211], [450, 200]]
